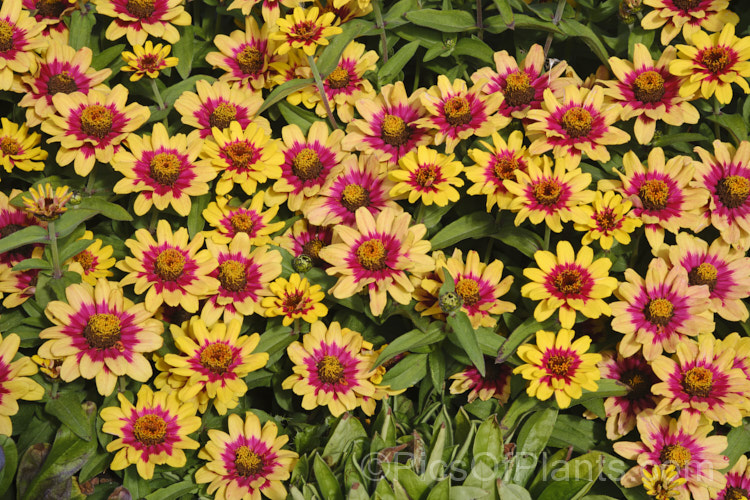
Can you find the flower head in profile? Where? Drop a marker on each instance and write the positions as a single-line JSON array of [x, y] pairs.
[[15, 383], [148, 60], [20, 36], [649, 93], [495, 383], [171, 269], [137, 19], [152, 432], [244, 56], [163, 170], [247, 463], [100, 334], [329, 369], [19, 149], [212, 363], [607, 219], [230, 219], [569, 282], [304, 30], [47, 203], [660, 311], [688, 16], [389, 127], [427, 176], [94, 261], [522, 84], [376, 255], [557, 365], [457, 112], [295, 299], [579, 124]]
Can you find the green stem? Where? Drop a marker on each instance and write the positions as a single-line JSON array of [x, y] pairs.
[[122, 382], [480, 21], [420, 213], [53, 392], [547, 234], [322, 90], [153, 221], [379, 24], [416, 77], [157, 94], [296, 328], [717, 112], [634, 255], [90, 182], [490, 244], [555, 21], [56, 270]]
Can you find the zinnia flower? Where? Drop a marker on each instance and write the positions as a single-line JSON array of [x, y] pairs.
[[99, 334], [50, 13], [687, 15], [495, 383], [569, 282], [137, 19], [148, 60], [607, 219], [558, 365], [306, 239], [295, 299], [19, 38], [662, 481], [15, 383], [304, 30], [427, 176], [47, 203], [229, 219], [94, 261], [738, 481], [248, 462], [153, 432], [19, 149]]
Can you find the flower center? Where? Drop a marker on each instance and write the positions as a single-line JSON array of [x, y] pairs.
[[457, 111], [733, 190], [85, 259], [150, 62], [636, 380], [577, 122], [9, 229], [568, 282], [96, 120], [50, 8], [224, 114], [654, 194], [306, 31], [241, 154], [659, 311], [354, 196], [518, 90], [426, 175], [169, 264], [715, 59], [559, 364], [217, 358], [242, 223], [165, 168], [9, 146], [61, 82], [698, 382], [102, 331], [250, 60], [686, 5], [338, 78], [306, 165], [394, 131], [675, 454], [704, 274], [293, 302], [371, 255], [649, 87], [468, 289], [247, 462], [734, 493], [150, 429], [330, 370], [606, 220], [505, 167], [141, 8], [6, 35], [547, 192], [233, 275], [312, 249]]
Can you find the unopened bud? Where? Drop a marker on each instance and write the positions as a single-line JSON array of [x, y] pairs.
[[302, 263], [450, 302]]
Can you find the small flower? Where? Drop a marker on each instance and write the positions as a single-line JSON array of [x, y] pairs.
[[450, 302], [606, 220], [329, 369], [137, 19], [295, 299], [229, 219], [51, 13], [93, 262], [304, 30], [45, 203], [19, 149], [427, 176], [148, 60], [662, 481], [495, 383], [49, 367], [571, 282], [15, 383], [153, 432], [247, 463], [687, 15], [558, 365], [711, 63]]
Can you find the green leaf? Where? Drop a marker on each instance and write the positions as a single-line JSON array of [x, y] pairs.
[[327, 482], [107, 56], [464, 334], [70, 220], [531, 441], [614, 468], [525, 241], [347, 430], [135, 484], [407, 372], [32, 264], [436, 361], [508, 491], [687, 138], [399, 474], [104, 207], [447, 21], [520, 335], [488, 444], [390, 70], [73, 248], [183, 50], [482, 476], [175, 91], [283, 90], [522, 405], [81, 27], [195, 221], [606, 388], [575, 431], [441, 491], [575, 478], [739, 442], [576, 29], [173, 491], [95, 466], [506, 12], [297, 115], [411, 340], [496, 24], [25, 236], [474, 225], [10, 463], [330, 56], [67, 408], [474, 47], [734, 124]]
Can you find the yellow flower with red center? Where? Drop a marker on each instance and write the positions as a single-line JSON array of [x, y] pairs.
[[15, 383], [559, 366], [148, 60], [19, 285], [304, 30], [427, 176], [90, 127], [229, 219], [47, 203], [711, 63], [93, 262], [294, 299], [20, 36], [19, 149], [137, 19], [569, 282], [662, 481], [152, 432], [687, 15], [607, 219]]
